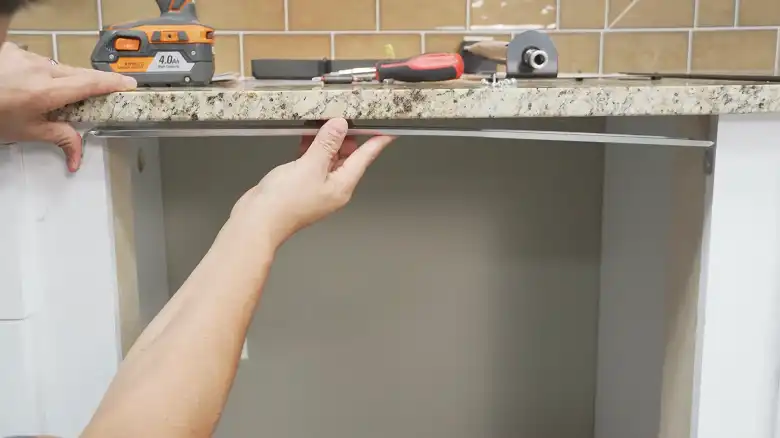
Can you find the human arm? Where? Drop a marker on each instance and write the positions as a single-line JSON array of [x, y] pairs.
[[31, 86], [176, 378]]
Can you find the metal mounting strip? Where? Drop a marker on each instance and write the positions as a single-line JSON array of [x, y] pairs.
[[577, 137]]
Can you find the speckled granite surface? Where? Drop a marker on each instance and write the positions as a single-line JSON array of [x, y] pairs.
[[253, 100]]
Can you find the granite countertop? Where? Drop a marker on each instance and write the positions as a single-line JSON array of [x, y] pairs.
[[297, 100]]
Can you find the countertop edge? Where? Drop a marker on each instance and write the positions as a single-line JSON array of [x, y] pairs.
[[384, 103]]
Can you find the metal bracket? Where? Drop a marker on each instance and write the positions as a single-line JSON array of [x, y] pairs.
[[709, 160], [531, 54], [238, 131]]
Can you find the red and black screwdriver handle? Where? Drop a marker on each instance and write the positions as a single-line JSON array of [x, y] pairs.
[[430, 67]]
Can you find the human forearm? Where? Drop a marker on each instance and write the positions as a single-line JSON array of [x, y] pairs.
[[174, 306], [175, 380], [179, 381]]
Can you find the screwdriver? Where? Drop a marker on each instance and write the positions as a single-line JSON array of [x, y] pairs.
[[430, 67]]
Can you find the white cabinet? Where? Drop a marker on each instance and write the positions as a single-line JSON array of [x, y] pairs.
[[20, 411], [472, 288]]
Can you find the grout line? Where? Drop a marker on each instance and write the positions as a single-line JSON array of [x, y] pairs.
[[49, 32], [695, 14], [777, 54], [422, 42], [623, 14], [497, 31], [601, 52], [468, 15], [434, 32], [736, 13], [286, 15], [377, 18], [690, 51], [100, 14], [558, 14], [55, 51], [601, 36], [332, 45], [241, 54]]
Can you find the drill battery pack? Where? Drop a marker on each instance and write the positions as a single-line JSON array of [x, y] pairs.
[[172, 50]]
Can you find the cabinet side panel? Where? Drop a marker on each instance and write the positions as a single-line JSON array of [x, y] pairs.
[[652, 227]]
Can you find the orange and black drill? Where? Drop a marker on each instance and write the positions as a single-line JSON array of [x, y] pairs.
[[172, 50]]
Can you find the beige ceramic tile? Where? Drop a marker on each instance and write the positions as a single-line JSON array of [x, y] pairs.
[[284, 47], [645, 52], [759, 12], [710, 50], [332, 14], [40, 44], [221, 14], [227, 54], [242, 14], [577, 52], [492, 13], [121, 11], [582, 14], [422, 15], [451, 41], [716, 12], [76, 50], [373, 46], [650, 13], [58, 15]]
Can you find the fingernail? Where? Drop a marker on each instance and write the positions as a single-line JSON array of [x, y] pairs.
[[339, 126], [129, 83]]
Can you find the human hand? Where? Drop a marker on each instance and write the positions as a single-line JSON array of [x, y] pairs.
[[31, 86], [320, 182]]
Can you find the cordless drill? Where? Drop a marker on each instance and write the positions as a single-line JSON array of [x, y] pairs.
[[174, 49]]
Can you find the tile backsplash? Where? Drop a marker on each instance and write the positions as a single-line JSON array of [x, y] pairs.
[[592, 36]]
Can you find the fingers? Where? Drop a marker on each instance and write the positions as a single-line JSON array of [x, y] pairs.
[[307, 140], [326, 144], [65, 137], [74, 88], [55, 70], [350, 173], [62, 71], [348, 147]]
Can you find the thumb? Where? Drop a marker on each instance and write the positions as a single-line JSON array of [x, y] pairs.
[[66, 138], [326, 144]]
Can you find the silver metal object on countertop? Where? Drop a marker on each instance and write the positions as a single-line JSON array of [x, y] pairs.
[[531, 54]]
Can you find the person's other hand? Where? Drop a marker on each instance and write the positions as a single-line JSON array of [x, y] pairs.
[[297, 194], [31, 86]]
